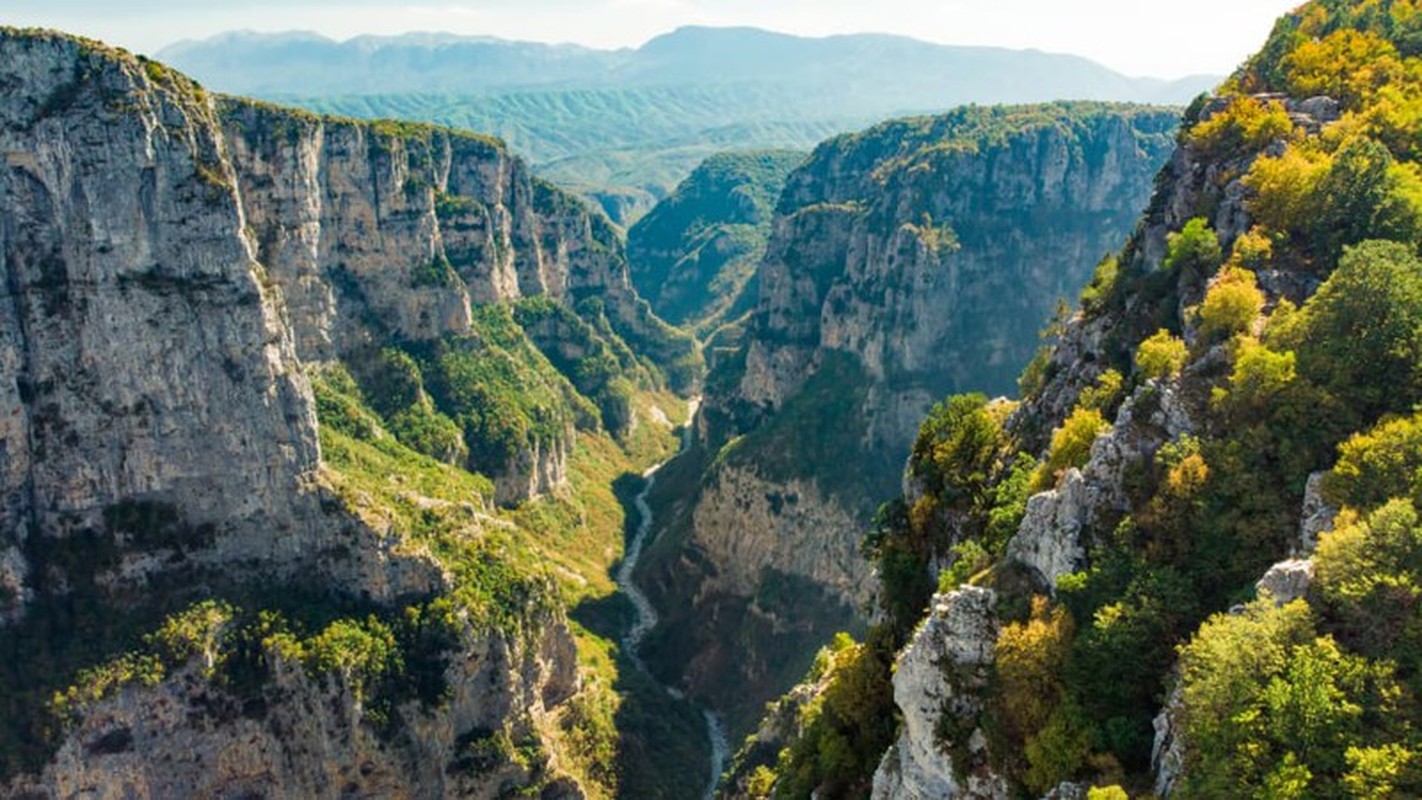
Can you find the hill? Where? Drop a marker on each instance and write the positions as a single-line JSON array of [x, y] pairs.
[[695, 255], [1185, 563]]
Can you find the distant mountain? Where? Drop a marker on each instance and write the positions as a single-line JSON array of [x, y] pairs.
[[625, 126], [867, 73]]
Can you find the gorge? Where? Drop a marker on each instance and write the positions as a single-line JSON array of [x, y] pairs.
[[1066, 450]]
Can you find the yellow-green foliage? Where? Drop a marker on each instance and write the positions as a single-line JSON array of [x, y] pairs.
[[197, 631], [1252, 251], [1195, 248], [1162, 356], [1246, 125], [1107, 793], [1322, 195], [1369, 573], [105, 680], [1031, 711], [1284, 187], [1028, 660], [1231, 305], [1098, 294], [1348, 65], [1071, 446], [1106, 394], [1377, 466], [1258, 375], [1265, 700], [358, 653], [846, 728]]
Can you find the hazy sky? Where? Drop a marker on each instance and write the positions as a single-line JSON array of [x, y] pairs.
[[1138, 37]]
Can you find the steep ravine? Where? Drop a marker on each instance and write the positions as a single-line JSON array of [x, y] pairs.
[[646, 618], [915, 259]]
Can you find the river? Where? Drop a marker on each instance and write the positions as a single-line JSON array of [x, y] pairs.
[[647, 614]]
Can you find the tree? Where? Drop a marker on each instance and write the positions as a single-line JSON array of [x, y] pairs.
[[1231, 305], [1378, 466], [1162, 356], [1194, 249], [1360, 335], [1071, 446]]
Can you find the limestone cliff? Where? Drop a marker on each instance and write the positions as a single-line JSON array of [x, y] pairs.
[[915, 259], [176, 268], [938, 684]]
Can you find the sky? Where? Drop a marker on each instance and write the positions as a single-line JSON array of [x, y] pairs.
[[1137, 37]]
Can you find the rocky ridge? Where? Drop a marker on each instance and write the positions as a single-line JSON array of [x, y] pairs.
[[177, 266]]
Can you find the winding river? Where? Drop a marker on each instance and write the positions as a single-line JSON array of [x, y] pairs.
[[647, 615]]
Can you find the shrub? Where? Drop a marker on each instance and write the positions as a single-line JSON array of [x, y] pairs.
[[1027, 660], [1035, 375], [359, 653], [958, 450], [1258, 376], [1162, 356], [431, 433], [1071, 446], [1098, 294], [1106, 394], [1348, 65], [1379, 465], [1231, 305], [1195, 248], [1369, 572], [1252, 251], [1246, 125]]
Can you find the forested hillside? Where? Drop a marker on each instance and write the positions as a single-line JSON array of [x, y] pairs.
[[1187, 561], [694, 257], [316, 441]]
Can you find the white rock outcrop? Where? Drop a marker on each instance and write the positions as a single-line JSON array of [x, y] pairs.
[[942, 672], [1286, 581]]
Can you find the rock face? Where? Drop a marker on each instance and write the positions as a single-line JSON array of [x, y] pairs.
[[147, 359], [1050, 539], [907, 262], [1286, 581], [172, 264], [941, 674], [1317, 516], [171, 261], [183, 738]]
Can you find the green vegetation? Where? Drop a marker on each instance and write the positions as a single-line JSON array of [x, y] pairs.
[[842, 731], [1160, 357], [693, 257], [1246, 125], [1313, 699], [1232, 304], [975, 489], [1071, 446]]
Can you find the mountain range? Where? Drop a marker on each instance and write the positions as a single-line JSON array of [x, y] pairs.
[[625, 126]]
